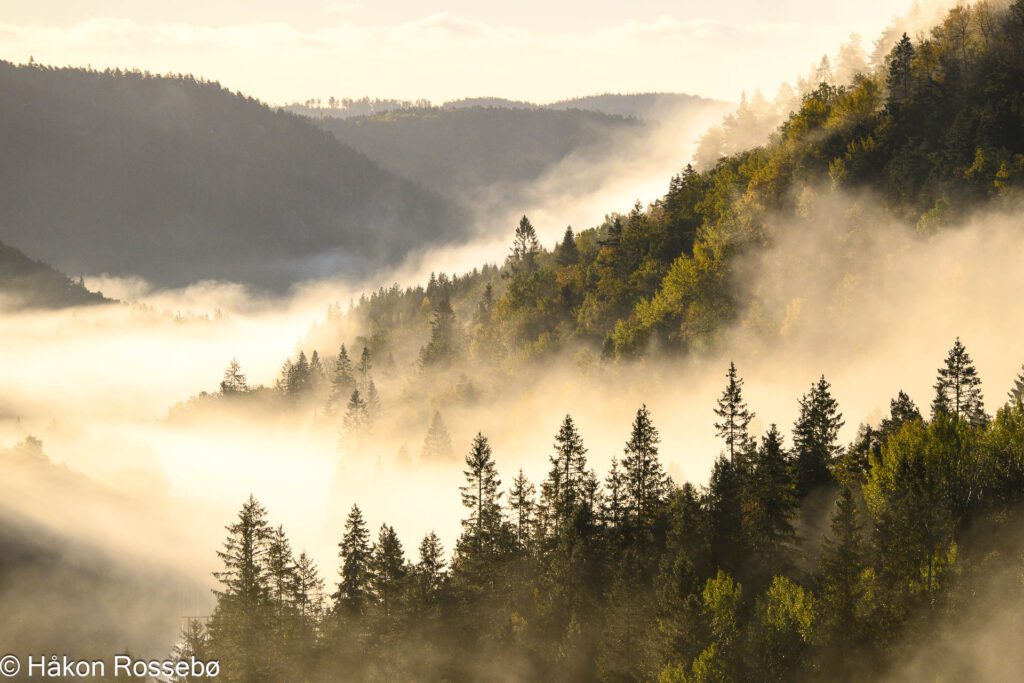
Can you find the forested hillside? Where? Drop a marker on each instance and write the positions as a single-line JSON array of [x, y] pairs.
[[933, 134], [25, 283], [179, 180], [460, 151], [638, 577]]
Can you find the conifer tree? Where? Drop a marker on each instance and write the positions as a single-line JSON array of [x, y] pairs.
[[734, 415], [899, 78], [355, 589], [563, 490], [901, 410], [481, 497], [298, 380], [308, 590], [842, 560], [525, 246], [443, 345], [771, 504], [365, 366], [280, 569], [568, 253], [234, 380], [343, 381], [317, 374], [372, 402], [431, 565], [437, 444], [387, 570], [958, 387], [613, 506], [1017, 393], [645, 479], [815, 437], [356, 417], [521, 504]]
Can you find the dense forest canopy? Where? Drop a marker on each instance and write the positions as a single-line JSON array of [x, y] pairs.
[[178, 180], [25, 283]]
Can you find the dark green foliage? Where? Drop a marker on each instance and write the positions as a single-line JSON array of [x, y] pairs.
[[735, 415], [355, 589], [815, 437], [646, 483], [958, 387]]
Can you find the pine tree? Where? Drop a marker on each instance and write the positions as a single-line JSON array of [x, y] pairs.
[[343, 381], [298, 380], [568, 253], [437, 444], [244, 577], [815, 437], [646, 481], [355, 589], [372, 402], [613, 506], [234, 380], [958, 387], [521, 503], [734, 414], [387, 570], [280, 569], [356, 418], [900, 78], [317, 374], [563, 490], [443, 346], [431, 565], [1017, 393]]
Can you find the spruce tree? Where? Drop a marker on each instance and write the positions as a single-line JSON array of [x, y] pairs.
[[355, 589], [356, 417], [1017, 393], [899, 78], [244, 577], [317, 374], [568, 253], [843, 558], [308, 590], [387, 570], [770, 507], [234, 380], [613, 505], [343, 381], [372, 402], [815, 437], [521, 504], [646, 481], [958, 387], [365, 366], [525, 246], [437, 444], [734, 415], [563, 490], [443, 345], [901, 410], [280, 569], [481, 497], [298, 380]]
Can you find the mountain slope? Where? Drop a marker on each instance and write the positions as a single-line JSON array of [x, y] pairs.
[[178, 180], [25, 283]]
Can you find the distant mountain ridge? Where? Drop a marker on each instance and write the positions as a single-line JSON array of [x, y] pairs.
[[179, 180]]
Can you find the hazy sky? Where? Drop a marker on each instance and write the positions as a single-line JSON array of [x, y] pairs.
[[533, 49]]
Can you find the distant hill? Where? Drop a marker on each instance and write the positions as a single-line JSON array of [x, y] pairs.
[[648, 106], [458, 151], [177, 180], [25, 283]]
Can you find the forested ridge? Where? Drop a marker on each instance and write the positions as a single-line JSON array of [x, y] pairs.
[[637, 577], [176, 180], [928, 136], [26, 283]]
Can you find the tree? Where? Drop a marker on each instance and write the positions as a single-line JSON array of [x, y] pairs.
[[568, 253], [1017, 393], [815, 437], [308, 595], [234, 380], [355, 589], [734, 414], [563, 490], [280, 569], [958, 387], [899, 78], [901, 410], [480, 495], [771, 504], [613, 506], [365, 366], [372, 402], [843, 559], [356, 414], [297, 382], [437, 444], [521, 503], [387, 570], [646, 481], [343, 381], [525, 246], [317, 374], [443, 346]]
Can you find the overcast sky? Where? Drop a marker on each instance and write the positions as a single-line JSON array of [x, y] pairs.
[[532, 49]]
